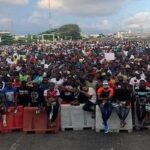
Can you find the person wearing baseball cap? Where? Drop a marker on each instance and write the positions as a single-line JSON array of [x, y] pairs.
[[105, 94]]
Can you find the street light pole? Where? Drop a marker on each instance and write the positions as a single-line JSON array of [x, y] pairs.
[[49, 14]]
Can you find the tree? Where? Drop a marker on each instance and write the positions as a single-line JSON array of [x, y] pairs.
[[66, 32], [69, 31], [21, 40], [7, 39]]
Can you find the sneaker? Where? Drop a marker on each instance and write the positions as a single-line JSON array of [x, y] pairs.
[[106, 130]]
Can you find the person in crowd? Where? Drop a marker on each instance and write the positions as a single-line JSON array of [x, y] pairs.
[[91, 82], [105, 94], [134, 81], [23, 94], [57, 79], [10, 95], [88, 97], [16, 83], [68, 89], [39, 77], [36, 97], [52, 95], [3, 109], [142, 94], [23, 76], [122, 97], [45, 84]]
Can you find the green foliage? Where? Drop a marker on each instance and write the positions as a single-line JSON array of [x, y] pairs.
[[70, 30], [7, 39], [21, 41], [66, 32], [31, 38]]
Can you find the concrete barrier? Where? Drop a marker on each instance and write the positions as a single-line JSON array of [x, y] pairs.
[[113, 122], [73, 117]]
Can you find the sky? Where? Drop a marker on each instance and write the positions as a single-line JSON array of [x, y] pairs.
[[93, 16]]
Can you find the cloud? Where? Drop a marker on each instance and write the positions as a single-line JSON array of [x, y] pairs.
[[35, 17], [4, 21], [50, 3], [97, 27], [138, 21], [84, 7], [14, 2]]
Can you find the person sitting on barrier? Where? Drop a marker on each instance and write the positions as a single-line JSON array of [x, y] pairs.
[[10, 95], [36, 97], [23, 94], [52, 104], [3, 110], [142, 94], [122, 99], [89, 95], [91, 82], [105, 94], [68, 90]]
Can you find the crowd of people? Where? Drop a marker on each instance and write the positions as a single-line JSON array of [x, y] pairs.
[[75, 72]]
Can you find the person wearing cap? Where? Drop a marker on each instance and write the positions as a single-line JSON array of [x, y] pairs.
[[142, 95], [105, 94], [52, 103]]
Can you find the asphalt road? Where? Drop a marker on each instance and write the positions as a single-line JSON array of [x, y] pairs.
[[76, 140]]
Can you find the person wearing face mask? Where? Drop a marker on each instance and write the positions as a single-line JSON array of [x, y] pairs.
[[105, 94]]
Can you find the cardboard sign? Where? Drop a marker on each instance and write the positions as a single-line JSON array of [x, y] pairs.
[[109, 56]]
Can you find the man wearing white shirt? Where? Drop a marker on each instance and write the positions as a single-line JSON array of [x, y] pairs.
[[57, 80], [90, 93], [135, 80]]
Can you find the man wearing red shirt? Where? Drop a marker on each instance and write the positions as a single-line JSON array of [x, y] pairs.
[[105, 95]]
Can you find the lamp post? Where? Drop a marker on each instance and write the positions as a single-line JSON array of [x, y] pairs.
[[49, 14]]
